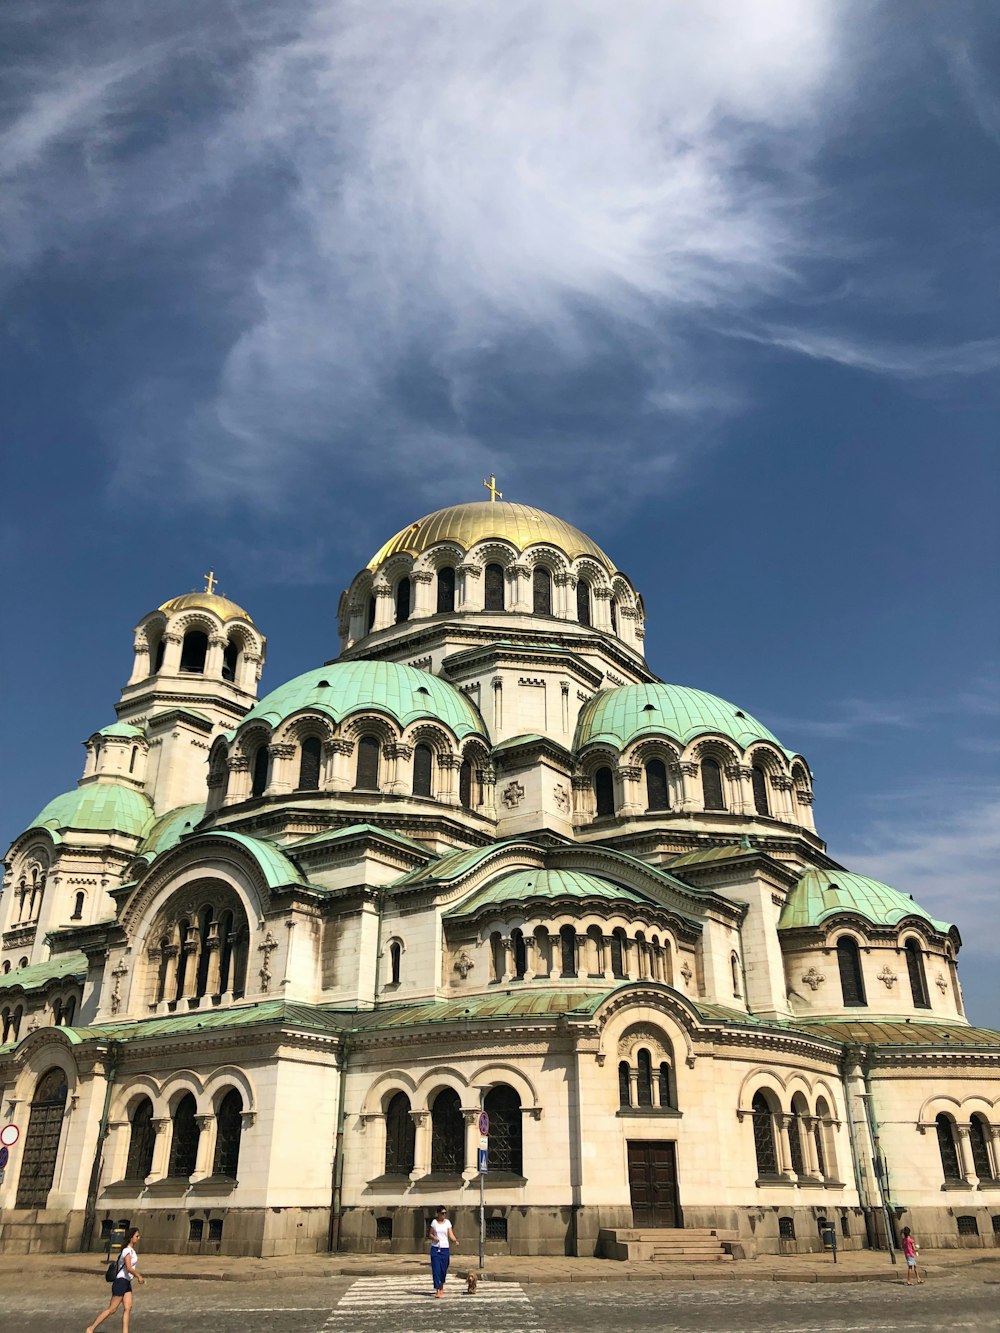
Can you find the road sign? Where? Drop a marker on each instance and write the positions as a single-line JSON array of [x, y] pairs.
[[484, 1141], [4, 1157], [484, 1161], [9, 1135], [484, 1122]]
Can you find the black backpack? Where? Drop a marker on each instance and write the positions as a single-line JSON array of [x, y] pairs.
[[114, 1268]]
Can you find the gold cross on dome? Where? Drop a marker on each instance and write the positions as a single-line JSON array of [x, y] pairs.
[[491, 486], [210, 580]]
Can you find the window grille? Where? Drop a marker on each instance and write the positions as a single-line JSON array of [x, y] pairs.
[[617, 954], [184, 1147], [229, 1127], [368, 757], [494, 589], [446, 590], [215, 1230], [759, 780], [583, 602], [624, 1084], [644, 1089], [496, 1228], [852, 983], [657, 795], [967, 1226], [996, 1224], [422, 762], [309, 764], [567, 941], [541, 591], [447, 1133], [383, 1228], [141, 1142], [604, 791], [980, 1149], [400, 1137], [504, 1108], [795, 1143], [845, 1227], [948, 1148], [465, 784], [918, 978], [711, 785], [763, 1136], [196, 1230], [786, 1228]]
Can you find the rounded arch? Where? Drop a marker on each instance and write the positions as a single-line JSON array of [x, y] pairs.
[[226, 1077], [381, 1091], [432, 1081], [177, 1086], [768, 1081], [499, 1072], [126, 1098]]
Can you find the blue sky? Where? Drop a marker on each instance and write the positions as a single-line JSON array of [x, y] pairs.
[[718, 283]]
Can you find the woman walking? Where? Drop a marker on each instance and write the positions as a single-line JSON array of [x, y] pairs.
[[910, 1251], [121, 1288], [442, 1238]]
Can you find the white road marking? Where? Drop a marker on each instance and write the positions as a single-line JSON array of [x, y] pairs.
[[411, 1305]]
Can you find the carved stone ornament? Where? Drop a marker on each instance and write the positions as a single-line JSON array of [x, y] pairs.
[[888, 977], [267, 946], [116, 995], [686, 973], [813, 979], [512, 795], [464, 964], [561, 797], [940, 982]]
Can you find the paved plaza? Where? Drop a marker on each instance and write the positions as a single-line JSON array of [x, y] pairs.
[[967, 1298]]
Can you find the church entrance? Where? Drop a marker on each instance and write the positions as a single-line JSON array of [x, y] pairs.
[[652, 1180], [41, 1141]]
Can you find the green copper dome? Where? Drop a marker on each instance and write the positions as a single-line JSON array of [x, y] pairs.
[[618, 716], [168, 830], [522, 885], [100, 807], [122, 729], [402, 692], [821, 894]]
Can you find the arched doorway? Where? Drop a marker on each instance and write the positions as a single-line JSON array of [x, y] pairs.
[[41, 1142]]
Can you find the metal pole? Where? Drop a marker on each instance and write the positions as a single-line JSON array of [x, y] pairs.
[[482, 1199]]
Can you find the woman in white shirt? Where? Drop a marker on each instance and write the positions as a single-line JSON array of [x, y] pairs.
[[442, 1238], [121, 1288]]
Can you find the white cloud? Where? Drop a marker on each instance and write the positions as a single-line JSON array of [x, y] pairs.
[[971, 358]]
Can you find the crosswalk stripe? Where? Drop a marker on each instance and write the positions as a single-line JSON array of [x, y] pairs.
[[409, 1303]]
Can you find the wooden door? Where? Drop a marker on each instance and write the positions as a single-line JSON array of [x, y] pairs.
[[652, 1178], [41, 1141]]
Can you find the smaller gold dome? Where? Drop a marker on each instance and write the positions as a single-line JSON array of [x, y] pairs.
[[467, 524], [206, 601]]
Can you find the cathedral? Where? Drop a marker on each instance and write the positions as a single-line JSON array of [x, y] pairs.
[[263, 969]]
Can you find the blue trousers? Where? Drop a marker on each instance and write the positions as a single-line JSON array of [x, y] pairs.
[[440, 1258]]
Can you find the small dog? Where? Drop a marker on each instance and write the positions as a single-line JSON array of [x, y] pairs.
[[472, 1282]]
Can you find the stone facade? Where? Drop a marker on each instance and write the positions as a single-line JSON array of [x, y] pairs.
[[263, 968]]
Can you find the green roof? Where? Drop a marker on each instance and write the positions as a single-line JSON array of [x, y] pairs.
[[541, 1003], [102, 807], [277, 867], [122, 729], [403, 692], [703, 854], [896, 1032], [821, 894], [618, 716], [522, 885], [360, 831], [63, 967], [168, 830], [455, 864], [528, 738]]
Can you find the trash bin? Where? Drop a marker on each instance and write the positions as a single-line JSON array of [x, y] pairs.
[[828, 1235]]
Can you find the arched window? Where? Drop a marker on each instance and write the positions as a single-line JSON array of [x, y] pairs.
[[820, 1129], [6, 966], [758, 778], [395, 962], [763, 1136], [657, 795], [229, 1122], [795, 1137], [583, 601], [614, 616], [400, 1136], [734, 967], [370, 614], [498, 956], [711, 785], [618, 951], [624, 1084], [41, 1140], [668, 1090], [183, 956], [493, 577], [368, 757], [503, 1106], [446, 589], [132, 758], [141, 1142], [520, 952], [309, 764], [230, 660], [423, 758], [979, 1137], [604, 792], [567, 940], [543, 952], [918, 978], [206, 919], [541, 591], [78, 902], [852, 983], [69, 1012], [644, 1085], [157, 654], [402, 601], [260, 766], [184, 1144], [447, 1133], [194, 651], [465, 784], [948, 1148]]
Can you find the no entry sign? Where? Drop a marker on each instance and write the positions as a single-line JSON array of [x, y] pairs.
[[9, 1135]]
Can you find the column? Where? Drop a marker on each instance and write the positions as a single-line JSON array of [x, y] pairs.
[[421, 581], [602, 607], [530, 952], [497, 683], [564, 601], [208, 1125], [630, 775], [507, 958], [212, 944], [215, 657], [740, 775], [468, 596], [781, 800], [357, 620], [448, 766], [171, 952], [171, 654], [804, 800], [809, 1125], [686, 773], [283, 774], [593, 956], [338, 764], [422, 1144], [116, 1152], [488, 779], [385, 609], [141, 664], [781, 1122], [965, 1154], [471, 1118], [161, 1149], [520, 588], [190, 950], [239, 779], [400, 776]]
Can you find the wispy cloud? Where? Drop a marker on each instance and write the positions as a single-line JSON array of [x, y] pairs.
[[858, 353], [852, 718]]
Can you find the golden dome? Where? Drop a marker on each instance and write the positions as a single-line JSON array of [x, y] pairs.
[[467, 524], [206, 601]]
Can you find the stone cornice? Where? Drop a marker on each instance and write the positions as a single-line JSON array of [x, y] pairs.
[[491, 657]]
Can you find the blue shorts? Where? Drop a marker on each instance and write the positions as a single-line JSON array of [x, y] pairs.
[[911, 1261], [121, 1286]]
